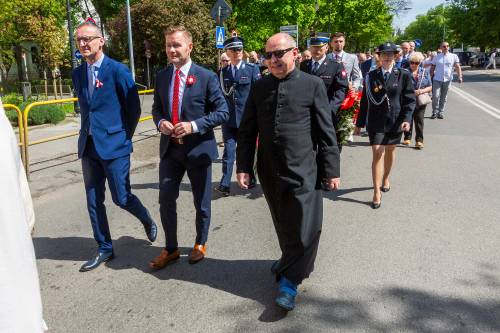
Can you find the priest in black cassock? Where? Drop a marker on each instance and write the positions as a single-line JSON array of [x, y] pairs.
[[288, 111]]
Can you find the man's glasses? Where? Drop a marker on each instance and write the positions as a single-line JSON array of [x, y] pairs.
[[278, 54], [225, 60], [86, 39]]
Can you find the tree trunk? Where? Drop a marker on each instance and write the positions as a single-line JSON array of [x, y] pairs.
[[61, 86], [45, 83], [54, 83]]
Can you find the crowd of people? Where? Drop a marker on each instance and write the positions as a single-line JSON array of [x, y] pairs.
[[278, 113]]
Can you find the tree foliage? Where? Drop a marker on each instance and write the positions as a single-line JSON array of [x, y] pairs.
[[149, 20]]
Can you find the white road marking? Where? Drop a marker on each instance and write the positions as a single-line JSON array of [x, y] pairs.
[[492, 111]]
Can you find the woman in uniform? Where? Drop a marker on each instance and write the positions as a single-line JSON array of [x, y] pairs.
[[388, 102]]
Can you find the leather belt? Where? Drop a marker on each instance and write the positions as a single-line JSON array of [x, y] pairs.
[[178, 141]]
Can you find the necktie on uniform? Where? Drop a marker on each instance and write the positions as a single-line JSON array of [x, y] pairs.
[[315, 67], [235, 72], [386, 76], [175, 97]]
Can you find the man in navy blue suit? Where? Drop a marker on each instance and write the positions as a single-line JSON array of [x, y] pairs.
[[188, 104], [110, 111], [236, 79]]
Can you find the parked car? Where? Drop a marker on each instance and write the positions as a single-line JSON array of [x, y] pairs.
[[478, 60]]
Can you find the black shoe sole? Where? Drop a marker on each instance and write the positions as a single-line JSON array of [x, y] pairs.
[[224, 193]]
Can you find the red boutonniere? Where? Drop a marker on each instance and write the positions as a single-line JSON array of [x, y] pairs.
[[98, 84], [191, 79]]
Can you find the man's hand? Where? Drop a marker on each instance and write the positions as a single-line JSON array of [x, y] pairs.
[[332, 183], [166, 127], [405, 126], [243, 180], [182, 129]]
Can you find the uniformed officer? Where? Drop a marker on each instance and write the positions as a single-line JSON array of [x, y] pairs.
[[331, 72], [388, 102], [236, 79]]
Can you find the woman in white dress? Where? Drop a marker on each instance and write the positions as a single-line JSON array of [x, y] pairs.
[[20, 301]]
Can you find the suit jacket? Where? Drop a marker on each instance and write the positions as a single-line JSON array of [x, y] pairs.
[[334, 77], [246, 76], [399, 89], [202, 102], [112, 113], [351, 65]]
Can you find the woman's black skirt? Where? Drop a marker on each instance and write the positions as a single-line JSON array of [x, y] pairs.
[[385, 139]]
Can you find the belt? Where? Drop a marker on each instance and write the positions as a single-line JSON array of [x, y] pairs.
[[178, 141]]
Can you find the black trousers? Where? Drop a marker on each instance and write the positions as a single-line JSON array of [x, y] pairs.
[[418, 120]]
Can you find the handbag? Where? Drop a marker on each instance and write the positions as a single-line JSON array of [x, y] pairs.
[[423, 99]]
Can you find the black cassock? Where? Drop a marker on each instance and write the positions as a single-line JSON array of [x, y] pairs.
[[297, 149]]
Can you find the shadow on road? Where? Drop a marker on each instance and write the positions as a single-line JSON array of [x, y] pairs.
[[411, 310], [338, 195]]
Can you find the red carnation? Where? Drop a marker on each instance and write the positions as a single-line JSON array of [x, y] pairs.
[[191, 79]]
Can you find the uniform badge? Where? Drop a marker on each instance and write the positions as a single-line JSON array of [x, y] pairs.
[[376, 89]]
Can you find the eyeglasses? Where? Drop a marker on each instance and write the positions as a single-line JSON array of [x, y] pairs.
[[414, 63], [86, 39], [278, 54], [225, 60]]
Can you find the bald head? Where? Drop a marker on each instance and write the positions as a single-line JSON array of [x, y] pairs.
[[283, 53], [281, 39]]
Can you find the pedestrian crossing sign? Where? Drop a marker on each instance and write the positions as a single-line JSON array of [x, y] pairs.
[[220, 35]]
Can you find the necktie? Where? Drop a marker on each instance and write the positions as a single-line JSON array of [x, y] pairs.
[[235, 72], [337, 57], [386, 76], [175, 97], [91, 80], [315, 67]]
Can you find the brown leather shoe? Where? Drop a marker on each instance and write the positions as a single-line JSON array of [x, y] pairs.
[[197, 253], [163, 259]]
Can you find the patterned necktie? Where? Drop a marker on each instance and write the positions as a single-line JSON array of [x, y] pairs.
[[91, 80], [175, 97], [386, 76], [315, 67]]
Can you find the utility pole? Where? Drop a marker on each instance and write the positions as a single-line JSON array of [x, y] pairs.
[[130, 45], [74, 63]]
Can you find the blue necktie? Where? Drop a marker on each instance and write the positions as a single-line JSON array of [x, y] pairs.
[[386, 76], [315, 67], [235, 72]]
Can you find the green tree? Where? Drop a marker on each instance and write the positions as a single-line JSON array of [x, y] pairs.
[[151, 17]]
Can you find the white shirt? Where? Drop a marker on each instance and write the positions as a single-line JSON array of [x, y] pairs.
[[320, 61], [444, 64], [92, 72], [386, 71], [184, 70]]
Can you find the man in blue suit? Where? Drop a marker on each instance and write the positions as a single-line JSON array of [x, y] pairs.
[[110, 111], [188, 104], [236, 79]]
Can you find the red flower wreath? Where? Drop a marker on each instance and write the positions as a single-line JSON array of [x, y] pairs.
[[191, 79]]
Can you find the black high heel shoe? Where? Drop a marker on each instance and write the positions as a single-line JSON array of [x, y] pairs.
[[385, 189], [376, 205]]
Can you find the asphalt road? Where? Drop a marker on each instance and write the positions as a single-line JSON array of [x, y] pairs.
[[426, 261]]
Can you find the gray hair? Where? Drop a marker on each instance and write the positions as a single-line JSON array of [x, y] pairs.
[[416, 56], [90, 24]]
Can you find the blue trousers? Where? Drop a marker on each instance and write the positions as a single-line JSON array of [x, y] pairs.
[[173, 166], [116, 171], [229, 135]]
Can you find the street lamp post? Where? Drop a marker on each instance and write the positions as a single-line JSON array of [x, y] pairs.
[[130, 45]]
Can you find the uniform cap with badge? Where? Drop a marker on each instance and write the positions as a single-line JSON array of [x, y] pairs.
[[319, 39], [234, 43], [387, 47]]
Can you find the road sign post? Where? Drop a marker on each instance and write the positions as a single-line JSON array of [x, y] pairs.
[[292, 30], [219, 37]]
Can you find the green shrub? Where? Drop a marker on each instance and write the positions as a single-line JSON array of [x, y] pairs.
[[45, 114], [12, 116], [56, 114], [68, 108], [12, 98]]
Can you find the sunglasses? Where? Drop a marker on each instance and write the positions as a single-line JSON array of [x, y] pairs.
[[86, 39], [414, 63], [225, 60], [277, 54]]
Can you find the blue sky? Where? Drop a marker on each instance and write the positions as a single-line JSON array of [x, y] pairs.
[[417, 7]]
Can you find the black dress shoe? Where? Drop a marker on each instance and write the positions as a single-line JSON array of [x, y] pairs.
[[376, 205], [385, 189], [224, 190], [252, 184], [434, 116], [440, 116], [151, 231], [98, 259]]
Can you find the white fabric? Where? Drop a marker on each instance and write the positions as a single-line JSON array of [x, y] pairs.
[[20, 302], [445, 63]]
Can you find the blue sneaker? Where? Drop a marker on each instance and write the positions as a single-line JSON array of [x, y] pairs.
[[288, 292]]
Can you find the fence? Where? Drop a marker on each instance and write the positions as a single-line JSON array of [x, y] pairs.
[[24, 129]]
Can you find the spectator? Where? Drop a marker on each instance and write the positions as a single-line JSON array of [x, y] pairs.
[[492, 61], [224, 60], [428, 61], [422, 84], [412, 47], [254, 58], [306, 55], [361, 58], [442, 68]]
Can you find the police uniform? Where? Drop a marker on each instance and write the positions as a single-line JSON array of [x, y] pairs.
[[236, 82], [332, 73], [388, 101]]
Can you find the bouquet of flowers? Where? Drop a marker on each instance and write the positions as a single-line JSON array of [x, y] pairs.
[[347, 116]]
